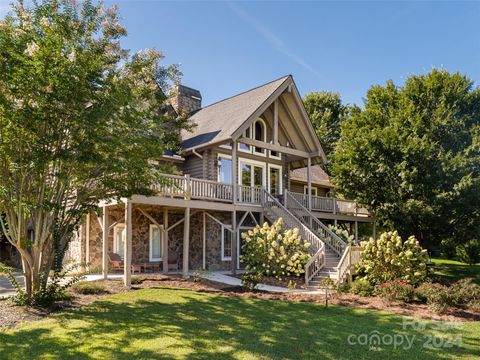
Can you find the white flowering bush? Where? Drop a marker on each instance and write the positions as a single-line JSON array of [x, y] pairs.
[[274, 251], [390, 258]]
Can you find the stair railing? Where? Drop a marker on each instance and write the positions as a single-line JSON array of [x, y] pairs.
[[317, 247], [331, 239]]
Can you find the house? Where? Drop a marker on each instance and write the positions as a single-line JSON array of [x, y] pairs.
[[250, 158]]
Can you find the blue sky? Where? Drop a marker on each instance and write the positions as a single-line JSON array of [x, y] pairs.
[[228, 47]]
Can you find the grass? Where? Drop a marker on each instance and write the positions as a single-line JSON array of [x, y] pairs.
[[451, 270], [181, 324]]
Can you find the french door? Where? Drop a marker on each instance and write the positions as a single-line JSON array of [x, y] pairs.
[[252, 180]]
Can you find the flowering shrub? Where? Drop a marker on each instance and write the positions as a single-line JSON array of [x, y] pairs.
[[390, 258], [396, 290], [274, 251]]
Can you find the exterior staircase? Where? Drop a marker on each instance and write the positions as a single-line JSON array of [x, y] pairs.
[[327, 250]]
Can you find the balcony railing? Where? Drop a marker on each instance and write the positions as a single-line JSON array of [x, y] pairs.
[[331, 205], [200, 189], [176, 186]]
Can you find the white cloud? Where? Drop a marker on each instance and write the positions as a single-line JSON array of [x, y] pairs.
[[274, 41]]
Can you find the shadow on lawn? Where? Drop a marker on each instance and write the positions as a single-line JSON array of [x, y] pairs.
[[168, 323]]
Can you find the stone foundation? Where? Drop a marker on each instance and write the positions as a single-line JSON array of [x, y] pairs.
[[141, 233]]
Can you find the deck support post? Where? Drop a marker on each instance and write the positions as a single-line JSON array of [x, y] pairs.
[[186, 242], [234, 242], [165, 241], [234, 172], [127, 258], [204, 241], [87, 242], [105, 243], [356, 231], [309, 183], [374, 229]]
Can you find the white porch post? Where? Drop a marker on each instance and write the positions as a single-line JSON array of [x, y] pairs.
[[234, 172], [105, 243], [356, 231], [127, 258], [186, 241], [87, 242], [204, 241], [234, 242], [309, 183], [165, 241]]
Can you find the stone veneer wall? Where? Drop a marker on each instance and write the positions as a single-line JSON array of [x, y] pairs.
[[140, 237]]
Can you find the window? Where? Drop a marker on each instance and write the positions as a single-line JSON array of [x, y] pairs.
[[225, 169], [155, 243], [314, 190], [245, 147], [257, 131], [275, 155], [275, 179], [260, 134], [119, 234], [226, 244]]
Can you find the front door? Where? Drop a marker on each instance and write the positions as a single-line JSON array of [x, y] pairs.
[[252, 179]]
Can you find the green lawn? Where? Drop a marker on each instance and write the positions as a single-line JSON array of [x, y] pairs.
[[181, 324], [451, 270]]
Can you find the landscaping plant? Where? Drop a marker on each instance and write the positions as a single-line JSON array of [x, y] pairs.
[[389, 258], [274, 251], [396, 290]]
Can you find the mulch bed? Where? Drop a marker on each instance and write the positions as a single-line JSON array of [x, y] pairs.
[[298, 282], [11, 315]]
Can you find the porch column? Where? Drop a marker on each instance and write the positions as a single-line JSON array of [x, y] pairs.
[[309, 183], [186, 241], [105, 243], [234, 171], [234, 242], [87, 242], [204, 241], [335, 222], [356, 231], [165, 241], [127, 258]]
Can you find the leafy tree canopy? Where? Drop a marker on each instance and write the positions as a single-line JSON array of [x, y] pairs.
[[80, 121], [326, 111], [413, 156]]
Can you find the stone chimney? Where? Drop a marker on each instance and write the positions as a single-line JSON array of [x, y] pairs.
[[185, 100]]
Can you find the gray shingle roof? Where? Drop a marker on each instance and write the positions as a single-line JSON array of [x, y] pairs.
[[319, 176], [217, 122]]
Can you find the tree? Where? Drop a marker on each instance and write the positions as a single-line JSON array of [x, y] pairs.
[[80, 121], [326, 112], [412, 156]]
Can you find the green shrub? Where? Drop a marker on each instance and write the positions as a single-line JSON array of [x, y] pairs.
[[251, 280], [469, 252], [362, 288], [439, 298], [390, 258], [274, 251], [136, 280], [396, 290], [448, 248], [342, 234], [89, 288], [435, 295]]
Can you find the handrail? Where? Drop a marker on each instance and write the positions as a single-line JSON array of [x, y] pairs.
[[343, 266], [329, 237], [331, 204], [317, 248]]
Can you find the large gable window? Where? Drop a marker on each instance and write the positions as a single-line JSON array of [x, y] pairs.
[[256, 131]]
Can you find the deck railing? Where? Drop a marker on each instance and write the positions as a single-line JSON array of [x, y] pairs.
[[331, 205]]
